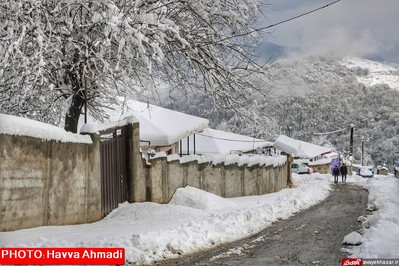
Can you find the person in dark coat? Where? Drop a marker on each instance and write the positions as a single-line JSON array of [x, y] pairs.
[[335, 173], [344, 171]]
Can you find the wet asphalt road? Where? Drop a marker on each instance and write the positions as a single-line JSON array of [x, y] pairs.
[[311, 237]]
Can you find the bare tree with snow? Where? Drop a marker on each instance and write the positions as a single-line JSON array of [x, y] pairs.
[[57, 53]]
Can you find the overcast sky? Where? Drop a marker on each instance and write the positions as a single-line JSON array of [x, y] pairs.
[[364, 28]]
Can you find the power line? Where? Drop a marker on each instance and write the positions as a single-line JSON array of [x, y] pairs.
[[331, 132], [281, 22], [235, 140], [301, 15]]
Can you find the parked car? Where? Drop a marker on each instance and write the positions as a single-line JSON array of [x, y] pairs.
[[300, 168], [366, 171]]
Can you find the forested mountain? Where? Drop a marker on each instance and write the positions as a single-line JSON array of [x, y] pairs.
[[317, 95]]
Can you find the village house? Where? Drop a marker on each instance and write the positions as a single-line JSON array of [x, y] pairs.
[[161, 129]]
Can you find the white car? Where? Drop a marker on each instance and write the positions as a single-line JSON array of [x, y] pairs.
[[366, 171], [300, 168]]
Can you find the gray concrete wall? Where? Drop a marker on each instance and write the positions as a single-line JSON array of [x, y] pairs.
[[321, 168], [57, 183], [326, 168], [40, 185], [223, 180]]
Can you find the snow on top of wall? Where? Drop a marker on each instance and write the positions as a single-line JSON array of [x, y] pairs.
[[95, 128], [228, 159], [217, 141], [299, 148], [19, 126], [158, 125]]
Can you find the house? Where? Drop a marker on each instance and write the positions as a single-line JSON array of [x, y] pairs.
[[161, 129], [319, 157], [217, 141], [298, 148]]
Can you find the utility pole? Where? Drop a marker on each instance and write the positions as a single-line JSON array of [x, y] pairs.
[[351, 142], [362, 149]]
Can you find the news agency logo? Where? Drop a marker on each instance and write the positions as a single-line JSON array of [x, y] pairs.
[[352, 262]]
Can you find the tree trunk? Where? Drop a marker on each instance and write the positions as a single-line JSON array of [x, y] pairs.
[[74, 110], [74, 78]]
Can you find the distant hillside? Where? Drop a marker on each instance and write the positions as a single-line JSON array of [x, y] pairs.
[[376, 73], [316, 95]]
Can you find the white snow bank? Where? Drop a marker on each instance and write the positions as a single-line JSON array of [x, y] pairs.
[[198, 199], [381, 238], [19, 126], [353, 238]]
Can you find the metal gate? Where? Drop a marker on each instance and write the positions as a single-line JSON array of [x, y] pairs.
[[113, 168]]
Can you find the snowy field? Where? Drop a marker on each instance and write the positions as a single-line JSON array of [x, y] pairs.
[[196, 220]]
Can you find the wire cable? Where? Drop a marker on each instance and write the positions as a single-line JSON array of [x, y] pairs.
[[280, 22], [235, 140]]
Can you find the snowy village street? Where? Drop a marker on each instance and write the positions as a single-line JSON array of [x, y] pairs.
[[196, 220], [311, 237], [199, 132]]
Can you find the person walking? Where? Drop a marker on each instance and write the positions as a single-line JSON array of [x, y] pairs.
[[344, 171], [336, 173]]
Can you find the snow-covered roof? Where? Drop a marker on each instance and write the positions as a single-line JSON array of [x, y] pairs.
[[19, 126], [158, 125], [217, 141], [299, 148]]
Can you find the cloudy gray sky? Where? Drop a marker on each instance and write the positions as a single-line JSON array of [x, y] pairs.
[[364, 28]]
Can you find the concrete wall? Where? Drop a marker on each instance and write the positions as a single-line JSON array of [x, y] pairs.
[[57, 183], [223, 180], [382, 171], [326, 168], [321, 168], [48, 182], [137, 171]]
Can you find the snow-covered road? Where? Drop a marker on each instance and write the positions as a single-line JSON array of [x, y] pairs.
[[196, 220]]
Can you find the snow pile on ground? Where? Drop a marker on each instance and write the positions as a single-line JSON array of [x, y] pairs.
[[353, 238], [151, 232], [198, 199], [380, 240]]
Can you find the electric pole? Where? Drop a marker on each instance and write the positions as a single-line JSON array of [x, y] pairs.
[[351, 142]]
